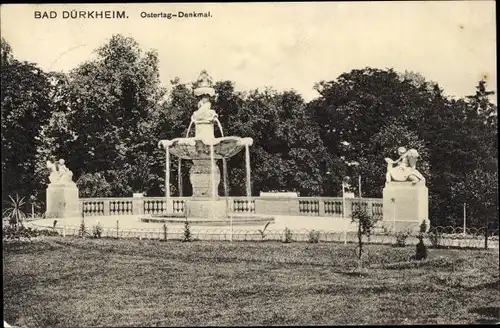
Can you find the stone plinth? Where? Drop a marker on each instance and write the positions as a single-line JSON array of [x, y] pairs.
[[206, 208], [405, 205], [62, 200], [201, 178]]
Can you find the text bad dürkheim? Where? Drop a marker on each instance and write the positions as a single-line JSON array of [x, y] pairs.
[[77, 14], [114, 14]]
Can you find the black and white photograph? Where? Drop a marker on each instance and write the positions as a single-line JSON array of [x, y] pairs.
[[249, 164]]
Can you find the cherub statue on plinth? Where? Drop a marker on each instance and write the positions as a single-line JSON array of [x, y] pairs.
[[405, 169], [59, 173]]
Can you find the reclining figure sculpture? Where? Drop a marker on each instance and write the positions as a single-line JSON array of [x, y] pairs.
[[405, 169]]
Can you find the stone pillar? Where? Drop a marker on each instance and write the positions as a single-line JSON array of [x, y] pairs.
[[138, 204], [200, 176], [62, 200], [405, 205]]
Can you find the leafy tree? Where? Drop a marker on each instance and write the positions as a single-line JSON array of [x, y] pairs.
[[107, 122], [26, 106]]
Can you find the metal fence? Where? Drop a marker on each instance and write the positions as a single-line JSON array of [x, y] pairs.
[[437, 236]]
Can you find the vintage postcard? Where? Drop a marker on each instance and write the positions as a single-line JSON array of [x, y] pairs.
[[249, 164]]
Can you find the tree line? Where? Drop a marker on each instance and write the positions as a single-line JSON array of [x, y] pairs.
[[106, 116]]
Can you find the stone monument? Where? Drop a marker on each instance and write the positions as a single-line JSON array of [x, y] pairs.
[[405, 196], [204, 150], [62, 192]]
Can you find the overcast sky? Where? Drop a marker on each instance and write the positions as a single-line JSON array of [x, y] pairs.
[[286, 46]]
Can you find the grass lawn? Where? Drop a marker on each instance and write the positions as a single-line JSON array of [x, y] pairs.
[[103, 282]]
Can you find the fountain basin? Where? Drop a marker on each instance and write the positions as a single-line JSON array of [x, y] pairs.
[[197, 148]]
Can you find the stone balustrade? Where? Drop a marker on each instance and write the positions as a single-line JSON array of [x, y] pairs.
[[299, 206]]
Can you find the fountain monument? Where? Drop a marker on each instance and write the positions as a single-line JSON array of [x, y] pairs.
[[204, 150]]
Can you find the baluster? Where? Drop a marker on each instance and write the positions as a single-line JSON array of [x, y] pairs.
[[147, 207]]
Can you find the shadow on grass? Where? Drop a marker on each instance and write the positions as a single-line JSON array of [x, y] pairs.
[[352, 273], [490, 315], [488, 285]]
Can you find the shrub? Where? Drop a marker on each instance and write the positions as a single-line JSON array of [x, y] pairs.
[[288, 236], [14, 211], [435, 239], [82, 232], [23, 233], [97, 230], [187, 232], [313, 237], [420, 249], [164, 231], [263, 231], [423, 227], [401, 237], [366, 224]]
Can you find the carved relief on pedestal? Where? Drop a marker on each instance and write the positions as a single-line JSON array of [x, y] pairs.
[[201, 178]]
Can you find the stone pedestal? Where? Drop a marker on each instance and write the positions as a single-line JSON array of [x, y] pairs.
[[62, 200], [206, 208], [201, 178], [405, 206]]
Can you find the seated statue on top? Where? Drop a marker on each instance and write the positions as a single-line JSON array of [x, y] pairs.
[[59, 173], [205, 91], [405, 169]]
